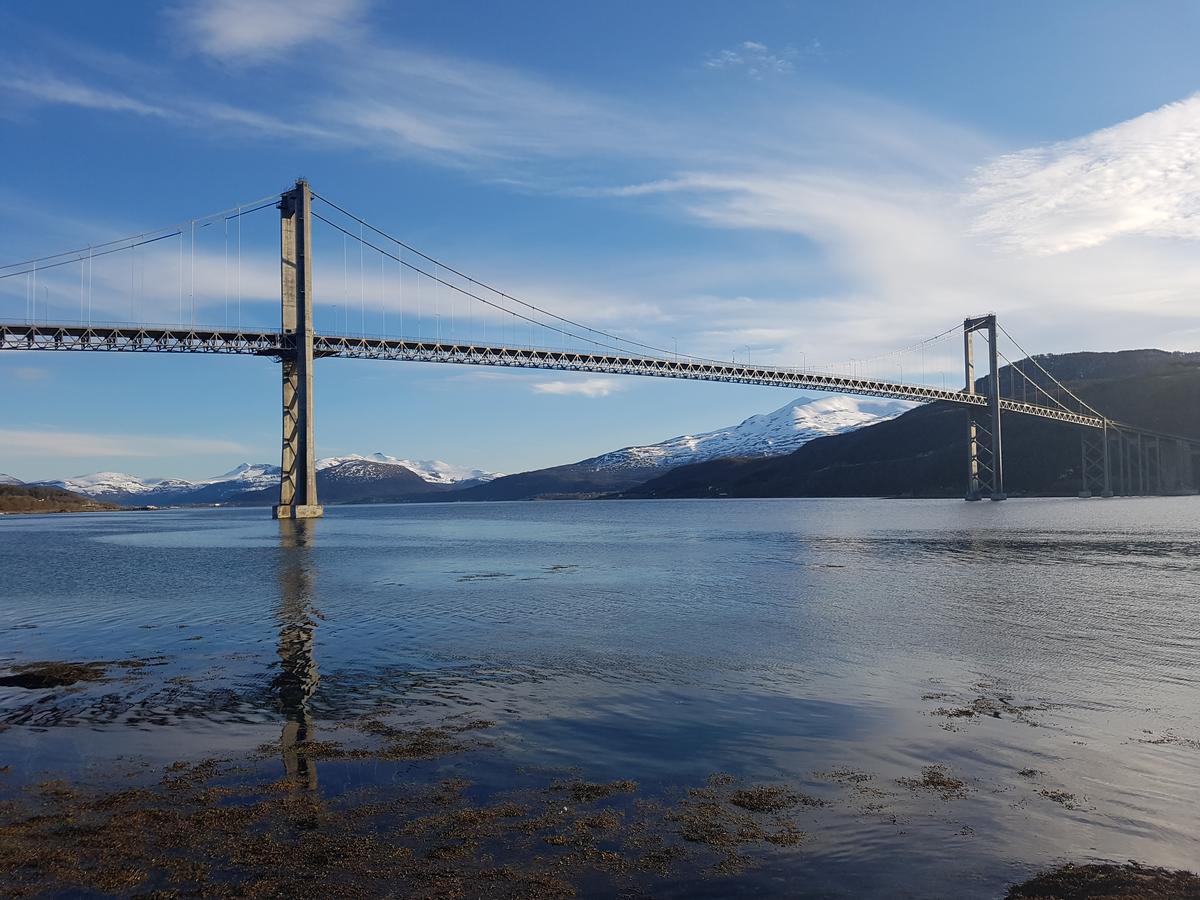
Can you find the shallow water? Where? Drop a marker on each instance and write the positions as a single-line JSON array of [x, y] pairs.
[[663, 641]]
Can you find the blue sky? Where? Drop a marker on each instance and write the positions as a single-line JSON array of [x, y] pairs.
[[803, 182]]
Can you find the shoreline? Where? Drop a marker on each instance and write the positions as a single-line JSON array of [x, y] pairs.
[[440, 806], [266, 823]]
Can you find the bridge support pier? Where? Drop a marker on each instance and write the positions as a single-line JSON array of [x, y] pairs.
[[985, 471], [973, 485], [1108, 488], [1095, 477], [1185, 482], [298, 474]]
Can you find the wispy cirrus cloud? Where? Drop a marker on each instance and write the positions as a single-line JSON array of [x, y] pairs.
[[88, 445], [48, 88], [404, 100], [388, 100]]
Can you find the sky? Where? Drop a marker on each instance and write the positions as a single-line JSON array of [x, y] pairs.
[[789, 182]]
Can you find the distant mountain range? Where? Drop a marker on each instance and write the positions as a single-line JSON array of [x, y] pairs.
[[827, 447], [382, 478], [340, 479], [771, 434]]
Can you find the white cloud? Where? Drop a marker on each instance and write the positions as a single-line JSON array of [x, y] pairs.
[[583, 387], [1140, 177], [258, 30], [84, 445]]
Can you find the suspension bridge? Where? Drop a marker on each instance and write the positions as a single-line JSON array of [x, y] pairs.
[[453, 318]]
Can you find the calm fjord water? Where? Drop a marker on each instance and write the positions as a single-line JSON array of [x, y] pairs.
[[662, 642]]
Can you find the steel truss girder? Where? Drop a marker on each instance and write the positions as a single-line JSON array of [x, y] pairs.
[[617, 364], [169, 339], [139, 339]]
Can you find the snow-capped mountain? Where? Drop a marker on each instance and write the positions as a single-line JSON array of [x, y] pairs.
[[104, 484], [248, 476], [8, 479], [770, 434], [350, 477], [433, 471]]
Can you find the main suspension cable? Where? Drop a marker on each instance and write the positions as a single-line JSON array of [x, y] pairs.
[[135, 240], [1032, 359], [454, 287], [487, 286]]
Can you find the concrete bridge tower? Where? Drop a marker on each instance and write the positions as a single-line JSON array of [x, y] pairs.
[[985, 459], [298, 474]]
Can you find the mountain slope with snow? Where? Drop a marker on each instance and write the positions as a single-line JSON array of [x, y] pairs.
[[109, 484], [434, 471], [770, 434]]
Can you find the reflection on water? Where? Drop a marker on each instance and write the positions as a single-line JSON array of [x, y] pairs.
[[298, 677], [1044, 653]]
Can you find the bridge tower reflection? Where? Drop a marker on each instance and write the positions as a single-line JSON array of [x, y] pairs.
[[298, 676]]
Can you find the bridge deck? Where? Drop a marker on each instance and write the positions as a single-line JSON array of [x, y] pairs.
[[129, 338]]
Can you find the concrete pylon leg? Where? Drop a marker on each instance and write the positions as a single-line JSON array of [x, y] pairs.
[[1108, 490], [994, 403], [1187, 469], [298, 474], [972, 429], [1141, 466], [1119, 464], [972, 460], [1085, 486]]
